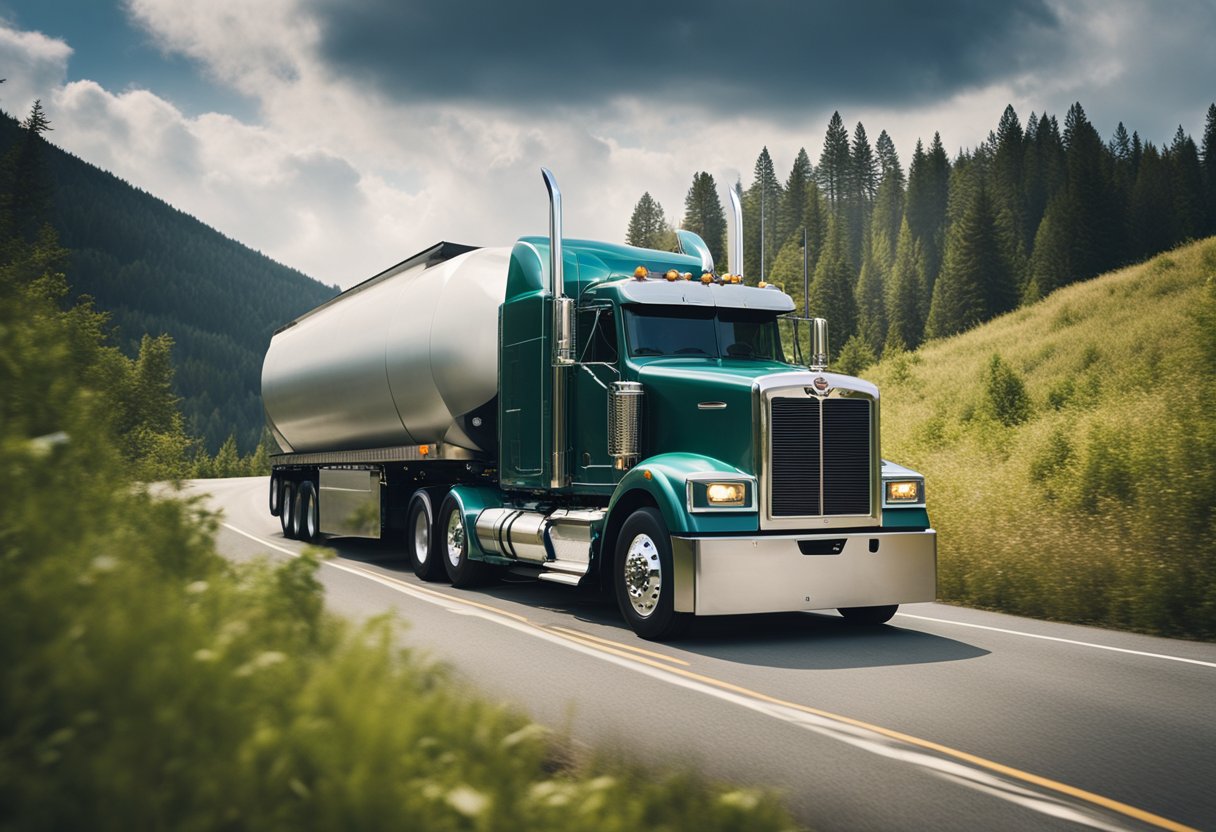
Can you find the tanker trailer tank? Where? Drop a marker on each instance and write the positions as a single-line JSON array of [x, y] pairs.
[[402, 359]]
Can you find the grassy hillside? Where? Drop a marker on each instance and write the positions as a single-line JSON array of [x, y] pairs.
[[1076, 479], [157, 270]]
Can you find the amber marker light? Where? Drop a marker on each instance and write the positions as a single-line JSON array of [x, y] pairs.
[[903, 491], [726, 493], [707, 278], [672, 275], [648, 475], [686, 276], [640, 272]]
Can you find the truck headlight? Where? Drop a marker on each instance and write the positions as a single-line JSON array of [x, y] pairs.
[[904, 492], [726, 493], [707, 493]]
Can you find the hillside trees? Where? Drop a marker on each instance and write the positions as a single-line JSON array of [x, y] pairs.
[[703, 215], [648, 227], [761, 206], [1029, 210]]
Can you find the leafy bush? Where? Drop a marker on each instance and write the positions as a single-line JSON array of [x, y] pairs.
[[1005, 393], [146, 683]]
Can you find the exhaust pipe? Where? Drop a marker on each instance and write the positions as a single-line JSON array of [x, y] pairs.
[[819, 345], [736, 237], [562, 334]]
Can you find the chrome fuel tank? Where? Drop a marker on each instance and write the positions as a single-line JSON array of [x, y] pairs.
[[399, 360]]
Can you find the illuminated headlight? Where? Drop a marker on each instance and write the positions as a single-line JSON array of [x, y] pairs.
[[904, 492], [726, 493], [721, 495]]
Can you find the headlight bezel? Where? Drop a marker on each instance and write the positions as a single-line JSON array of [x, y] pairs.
[[697, 487], [917, 500]]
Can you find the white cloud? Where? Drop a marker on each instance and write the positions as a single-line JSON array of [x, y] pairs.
[[34, 63]]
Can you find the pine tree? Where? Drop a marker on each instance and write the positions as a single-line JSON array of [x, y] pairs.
[[1190, 218], [26, 187], [1150, 215], [647, 225], [1043, 172], [1208, 157], [761, 205], [976, 283], [927, 199], [833, 171], [793, 200], [787, 271], [815, 219], [905, 302], [888, 159], [1051, 260], [703, 215], [832, 287], [1009, 153], [862, 188], [1091, 226], [869, 297]]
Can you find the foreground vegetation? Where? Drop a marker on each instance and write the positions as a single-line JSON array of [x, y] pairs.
[[1070, 450], [147, 683]]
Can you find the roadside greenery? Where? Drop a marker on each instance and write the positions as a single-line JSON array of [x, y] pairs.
[[147, 683], [1070, 450]]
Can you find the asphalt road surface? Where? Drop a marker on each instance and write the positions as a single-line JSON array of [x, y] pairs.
[[946, 718]]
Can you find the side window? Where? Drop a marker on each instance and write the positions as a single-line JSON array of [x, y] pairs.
[[597, 335]]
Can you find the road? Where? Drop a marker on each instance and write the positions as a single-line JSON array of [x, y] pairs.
[[947, 718]]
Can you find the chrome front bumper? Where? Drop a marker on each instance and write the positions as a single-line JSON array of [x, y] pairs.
[[733, 575]]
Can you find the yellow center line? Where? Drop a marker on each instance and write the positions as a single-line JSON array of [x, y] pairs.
[[617, 645], [622, 651]]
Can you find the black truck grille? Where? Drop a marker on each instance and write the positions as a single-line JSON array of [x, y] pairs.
[[799, 463]]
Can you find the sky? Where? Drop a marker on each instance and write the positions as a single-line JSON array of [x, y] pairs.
[[340, 138]]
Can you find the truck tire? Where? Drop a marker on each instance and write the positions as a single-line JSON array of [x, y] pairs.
[[642, 575], [306, 521], [454, 546], [276, 495], [287, 510], [868, 616], [423, 543]]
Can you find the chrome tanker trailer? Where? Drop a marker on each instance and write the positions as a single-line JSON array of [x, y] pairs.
[[594, 413]]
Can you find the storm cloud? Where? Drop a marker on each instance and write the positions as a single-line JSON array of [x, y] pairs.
[[712, 54]]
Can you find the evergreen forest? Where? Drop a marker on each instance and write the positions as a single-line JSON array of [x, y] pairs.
[[153, 269], [895, 256]]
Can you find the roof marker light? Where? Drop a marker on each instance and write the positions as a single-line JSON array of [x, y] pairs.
[[640, 273], [672, 275]]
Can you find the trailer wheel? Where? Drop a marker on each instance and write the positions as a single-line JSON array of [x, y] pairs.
[[868, 616], [423, 542], [276, 495], [307, 524], [287, 504], [643, 577], [454, 545]]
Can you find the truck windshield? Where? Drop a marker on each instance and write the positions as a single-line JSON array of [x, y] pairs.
[[701, 331]]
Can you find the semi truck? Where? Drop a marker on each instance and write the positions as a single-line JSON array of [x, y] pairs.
[[596, 415]]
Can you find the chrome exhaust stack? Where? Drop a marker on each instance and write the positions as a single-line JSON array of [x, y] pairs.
[[624, 423], [736, 237], [819, 345], [562, 334]]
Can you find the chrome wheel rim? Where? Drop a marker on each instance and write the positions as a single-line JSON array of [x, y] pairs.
[[455, 538], [422, 537], [643, 575], [310, 519]]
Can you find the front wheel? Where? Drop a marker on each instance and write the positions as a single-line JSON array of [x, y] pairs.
[[868, 616], [644, 579], [454, 546]]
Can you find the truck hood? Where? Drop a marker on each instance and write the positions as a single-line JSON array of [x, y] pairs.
[[703, 406]]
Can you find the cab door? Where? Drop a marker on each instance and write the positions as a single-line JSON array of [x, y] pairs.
[[598, 360]]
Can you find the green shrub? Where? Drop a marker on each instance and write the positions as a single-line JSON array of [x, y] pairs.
[[1006, 393], [146, 683]]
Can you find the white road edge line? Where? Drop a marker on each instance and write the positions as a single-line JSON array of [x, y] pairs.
[[1061, 640], [975, 778]]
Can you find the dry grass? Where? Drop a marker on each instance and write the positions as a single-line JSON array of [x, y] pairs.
[[1099, 507]]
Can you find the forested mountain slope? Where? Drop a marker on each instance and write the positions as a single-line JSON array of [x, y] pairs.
[[158, 270]]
